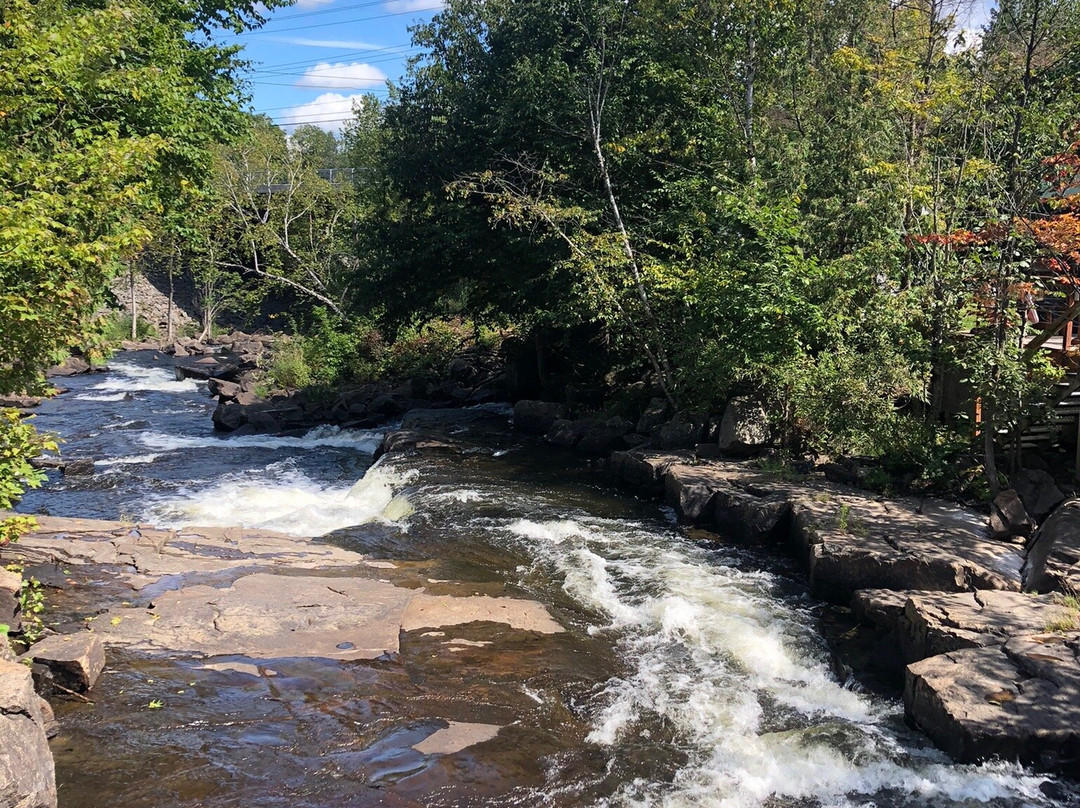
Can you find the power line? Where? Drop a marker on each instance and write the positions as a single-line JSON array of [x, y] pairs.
[[312, 103], [402, 48], [312, 86], [338, 10], [340, 22]]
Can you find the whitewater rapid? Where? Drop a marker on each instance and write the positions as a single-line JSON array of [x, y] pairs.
[[719, 658]]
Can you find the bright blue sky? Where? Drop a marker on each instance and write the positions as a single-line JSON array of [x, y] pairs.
[[310, 60]]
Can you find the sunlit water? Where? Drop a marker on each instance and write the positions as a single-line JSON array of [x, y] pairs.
[[701, 678]]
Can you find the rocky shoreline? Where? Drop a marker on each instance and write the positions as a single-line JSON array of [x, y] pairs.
[[984, 631], [980, 622]]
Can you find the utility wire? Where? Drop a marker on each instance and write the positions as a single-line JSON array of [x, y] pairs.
[[339, 22]]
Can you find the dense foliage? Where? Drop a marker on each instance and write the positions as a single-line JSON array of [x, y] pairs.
[[109, 114]]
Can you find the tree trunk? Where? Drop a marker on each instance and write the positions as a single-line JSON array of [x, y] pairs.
[[134, 304], [169, 316]]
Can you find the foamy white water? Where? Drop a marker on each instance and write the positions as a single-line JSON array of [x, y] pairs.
[[716, 656], [363, 440], [129, 378], [282, 499], [132, 460]]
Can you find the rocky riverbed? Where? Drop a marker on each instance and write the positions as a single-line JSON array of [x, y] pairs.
[[477, 619]]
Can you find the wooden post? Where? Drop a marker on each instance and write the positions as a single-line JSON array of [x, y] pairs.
[[1077, 466], [1066, 340]]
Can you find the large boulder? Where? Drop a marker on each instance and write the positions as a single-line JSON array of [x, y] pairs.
[[751, 516], [1020, 701], [642, 472], [10, 607], [72, 366], [1038, 491], [685, 431], [602, 436], [537, 417], [1053, 553], [565, 432], [1008, 517], [27, 774], [74, 661], [690, 490], [744, 428], [854, 542], [654, 416]]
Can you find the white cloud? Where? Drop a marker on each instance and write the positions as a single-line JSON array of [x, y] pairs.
[[329, 111], [342, 75], [312, 3], [405, 6], [351, 44]]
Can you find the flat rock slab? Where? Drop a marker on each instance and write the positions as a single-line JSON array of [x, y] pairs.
[[853, 542], [1017, 702], [938, 622], [456, 737], [437, 611], [146, 554], [265, 616], [849, 539]]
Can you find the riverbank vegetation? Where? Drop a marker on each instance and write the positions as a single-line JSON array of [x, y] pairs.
[[851, 211]]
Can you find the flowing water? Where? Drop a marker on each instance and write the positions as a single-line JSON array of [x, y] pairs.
[[692, 673]]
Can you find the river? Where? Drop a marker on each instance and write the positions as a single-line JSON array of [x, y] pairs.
[[692, 673]]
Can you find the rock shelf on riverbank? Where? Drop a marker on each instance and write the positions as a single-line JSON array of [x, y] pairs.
[[233, 602], [985, 678]]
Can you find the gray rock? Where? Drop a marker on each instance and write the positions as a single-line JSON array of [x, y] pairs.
[[684, 431], [83, 467], [10, 608], [388, 406], [74, 660], [654, 416], [408, 441], [1008, 517], [745, 427], [72, 366], [601, 436], [565, 432], [690, 490], [855, 542], [935, 623], [1053, 553], [27, 774], [224, 390], [1038, 492], [751, 518], [642, 472], [537, 417], [1017, 702], [880, 607]]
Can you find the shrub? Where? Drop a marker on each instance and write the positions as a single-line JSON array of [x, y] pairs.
[[286, 366]]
